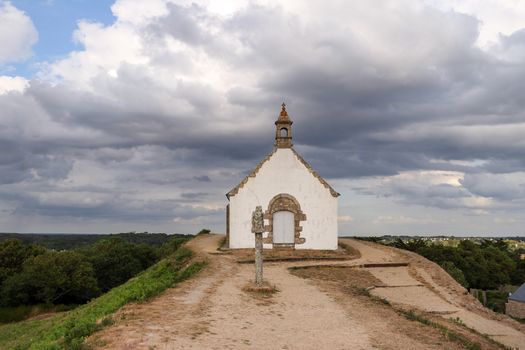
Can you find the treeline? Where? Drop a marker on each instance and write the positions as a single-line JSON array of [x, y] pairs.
[[32, 274], [486, 265], [65, 241]]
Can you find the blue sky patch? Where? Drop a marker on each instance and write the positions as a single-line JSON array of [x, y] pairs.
[[55, 21]]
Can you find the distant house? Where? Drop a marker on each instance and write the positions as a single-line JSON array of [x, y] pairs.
[[300, 207], [515, 306]]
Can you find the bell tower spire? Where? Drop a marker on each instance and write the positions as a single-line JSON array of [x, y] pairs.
[[283, 129]]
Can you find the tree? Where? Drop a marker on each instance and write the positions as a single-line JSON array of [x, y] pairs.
[[13, 253], [52, 278], [115, 261], [499, 265], [486, 265]]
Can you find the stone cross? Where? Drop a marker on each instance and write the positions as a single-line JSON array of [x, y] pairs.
[[258, 229]]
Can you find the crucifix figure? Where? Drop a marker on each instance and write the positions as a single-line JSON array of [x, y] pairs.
[[258, 229]]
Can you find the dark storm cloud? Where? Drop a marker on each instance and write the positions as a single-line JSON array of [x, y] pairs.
[[502, 188], [194, 195], [202, 178], [108, 123], [116, 208], [443, 196]]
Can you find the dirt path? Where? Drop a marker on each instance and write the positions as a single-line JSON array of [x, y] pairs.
[[212, 311], [426, 287], [292, 319]]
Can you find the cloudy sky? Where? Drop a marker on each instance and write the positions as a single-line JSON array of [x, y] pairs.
[[134, 115]]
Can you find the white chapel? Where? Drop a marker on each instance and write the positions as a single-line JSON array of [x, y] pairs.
[[300, 207]]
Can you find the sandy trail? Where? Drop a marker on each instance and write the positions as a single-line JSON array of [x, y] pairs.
[[298, 317], [435, 295], [212, 311], [370, 253]]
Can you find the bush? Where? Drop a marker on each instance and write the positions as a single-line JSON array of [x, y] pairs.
[[456, 273], [496, 300], [171, 246]]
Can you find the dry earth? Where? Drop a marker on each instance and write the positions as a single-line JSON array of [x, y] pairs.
[[320, 307]]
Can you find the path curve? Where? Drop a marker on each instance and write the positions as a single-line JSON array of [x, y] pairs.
[[425, 286]]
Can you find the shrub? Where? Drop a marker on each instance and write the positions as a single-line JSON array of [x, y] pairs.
[[456, 273], [171, 246]]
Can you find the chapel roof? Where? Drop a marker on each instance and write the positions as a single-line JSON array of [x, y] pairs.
[[282, 142], [519, 294], [254, 172]]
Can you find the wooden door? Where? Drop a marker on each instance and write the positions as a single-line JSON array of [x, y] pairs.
[[283, 227]]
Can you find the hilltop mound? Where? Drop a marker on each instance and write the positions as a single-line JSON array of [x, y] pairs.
[[382, 298]]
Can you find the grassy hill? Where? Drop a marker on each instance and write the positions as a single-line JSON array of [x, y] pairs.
[[69, 329]]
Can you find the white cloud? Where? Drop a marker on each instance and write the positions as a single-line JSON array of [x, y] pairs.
[[138, 11], [17, 34], [12, 84], [497, 17]]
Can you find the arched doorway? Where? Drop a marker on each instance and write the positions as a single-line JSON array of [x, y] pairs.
[[284, 215]]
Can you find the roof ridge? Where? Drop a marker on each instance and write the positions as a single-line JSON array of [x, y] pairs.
[[254, 172], [519, 294], [314, 173]]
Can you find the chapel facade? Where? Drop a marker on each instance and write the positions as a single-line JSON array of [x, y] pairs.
[[300, 207]]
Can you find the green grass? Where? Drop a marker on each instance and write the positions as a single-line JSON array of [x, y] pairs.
[[69, 330], [449, 334]]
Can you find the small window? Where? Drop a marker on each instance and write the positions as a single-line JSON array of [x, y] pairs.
[[284, 132]]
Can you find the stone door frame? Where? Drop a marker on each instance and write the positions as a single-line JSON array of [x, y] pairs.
[[284, 202]]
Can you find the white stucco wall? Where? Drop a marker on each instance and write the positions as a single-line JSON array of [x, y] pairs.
[[284, 173]]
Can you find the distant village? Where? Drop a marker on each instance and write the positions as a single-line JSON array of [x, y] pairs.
[[513, 243]]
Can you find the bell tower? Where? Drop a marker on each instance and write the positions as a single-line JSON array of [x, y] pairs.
[[283, 129]]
